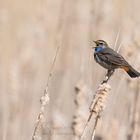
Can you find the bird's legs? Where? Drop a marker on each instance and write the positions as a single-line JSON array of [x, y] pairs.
[[108, 75]]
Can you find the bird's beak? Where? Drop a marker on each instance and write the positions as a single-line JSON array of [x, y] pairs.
[[95, 43]]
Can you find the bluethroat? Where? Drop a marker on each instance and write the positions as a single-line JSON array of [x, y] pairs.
[[111, 60]]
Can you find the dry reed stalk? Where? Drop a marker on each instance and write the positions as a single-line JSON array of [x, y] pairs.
[[117, 38], [98, 103], [44, 100]]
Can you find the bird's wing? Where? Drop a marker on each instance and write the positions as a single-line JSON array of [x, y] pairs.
[[111, 57]]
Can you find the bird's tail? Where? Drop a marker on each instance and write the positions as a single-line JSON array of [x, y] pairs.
[[131, 71]]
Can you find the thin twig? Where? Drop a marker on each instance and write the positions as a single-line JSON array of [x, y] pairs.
[[119, 47], [117, 38], [37, 134], [88, 120], [95, 125], [52, 67]]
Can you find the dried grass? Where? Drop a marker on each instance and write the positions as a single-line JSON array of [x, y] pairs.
[[97, 106], [44, 100]]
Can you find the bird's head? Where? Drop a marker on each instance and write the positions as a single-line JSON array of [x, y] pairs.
[[100, 45]]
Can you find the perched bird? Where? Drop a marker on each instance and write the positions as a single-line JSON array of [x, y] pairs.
[[111, 60]]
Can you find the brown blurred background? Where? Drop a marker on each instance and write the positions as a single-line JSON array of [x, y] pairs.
[[30, 32]]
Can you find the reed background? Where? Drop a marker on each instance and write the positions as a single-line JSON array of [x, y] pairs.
[[30, 32]]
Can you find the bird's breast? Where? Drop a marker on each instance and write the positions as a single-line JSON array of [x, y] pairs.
[[96, 57], [102, 62]]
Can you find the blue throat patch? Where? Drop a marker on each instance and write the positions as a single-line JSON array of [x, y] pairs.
[[98, 49]]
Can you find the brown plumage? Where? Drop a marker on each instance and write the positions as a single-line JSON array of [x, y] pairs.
[[111, 60]]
